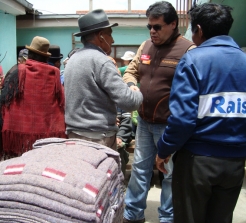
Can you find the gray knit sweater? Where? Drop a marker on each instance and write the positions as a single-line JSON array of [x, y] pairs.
[[93, 90]]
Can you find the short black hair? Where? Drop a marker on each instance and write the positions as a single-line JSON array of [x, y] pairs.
[[164, 9], [214, 19], [53, 60], [88, 37], [35, 56]]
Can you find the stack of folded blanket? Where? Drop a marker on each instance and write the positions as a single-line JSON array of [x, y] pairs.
[[62, 180]]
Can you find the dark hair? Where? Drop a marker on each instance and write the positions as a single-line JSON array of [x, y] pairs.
[[37, 57], [53, 60], [214, 19], [87, 38], [164, 9]]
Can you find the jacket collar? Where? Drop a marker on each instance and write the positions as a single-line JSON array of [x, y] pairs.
[[220, 41], [174, 36], [93, 46]]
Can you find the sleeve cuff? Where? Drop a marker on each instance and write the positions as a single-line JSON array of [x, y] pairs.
[[130, 84]]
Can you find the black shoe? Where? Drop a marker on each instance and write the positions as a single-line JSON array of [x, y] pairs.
[[133, 221]]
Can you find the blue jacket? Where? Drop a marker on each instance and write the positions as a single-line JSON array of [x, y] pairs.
[[208, 102]]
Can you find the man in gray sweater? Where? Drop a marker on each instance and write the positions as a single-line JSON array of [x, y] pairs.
[[93, 87]]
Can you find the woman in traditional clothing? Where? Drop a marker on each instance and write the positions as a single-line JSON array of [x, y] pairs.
[[32, 101]]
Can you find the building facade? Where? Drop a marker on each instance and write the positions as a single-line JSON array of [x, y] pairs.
[[20, 23]]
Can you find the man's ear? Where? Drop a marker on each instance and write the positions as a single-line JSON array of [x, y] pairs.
[[173, 24], [99, 36], [200, 32]]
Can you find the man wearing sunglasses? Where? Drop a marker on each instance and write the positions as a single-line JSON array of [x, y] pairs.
[[153, 67]]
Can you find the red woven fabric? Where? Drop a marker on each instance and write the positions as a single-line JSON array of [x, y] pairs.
[[38, 112]]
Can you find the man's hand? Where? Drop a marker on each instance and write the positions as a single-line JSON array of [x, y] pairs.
[[119, 142], [1, 84], [134, 88], [117, 122], [160, 163]]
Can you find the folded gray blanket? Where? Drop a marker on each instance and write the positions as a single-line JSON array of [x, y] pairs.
[[110, 167], [56, 169], [7, 216], [66, 179], [61, 188], [58, 141], [31, 201], [36, 216], [114, 213], [72, 202]]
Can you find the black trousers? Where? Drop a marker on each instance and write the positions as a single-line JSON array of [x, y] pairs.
[[205, 189]]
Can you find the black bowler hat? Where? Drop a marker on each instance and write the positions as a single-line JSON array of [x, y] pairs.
[[93, 21], [55, 52]]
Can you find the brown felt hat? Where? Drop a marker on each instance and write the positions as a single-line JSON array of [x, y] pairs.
[[40, 45]]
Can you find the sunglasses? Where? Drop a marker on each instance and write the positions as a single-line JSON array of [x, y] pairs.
[[156, 27]]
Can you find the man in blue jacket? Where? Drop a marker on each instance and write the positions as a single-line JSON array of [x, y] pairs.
[[207, 122]]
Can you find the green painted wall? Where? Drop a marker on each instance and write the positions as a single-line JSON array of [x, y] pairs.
[[238, 31], [63, 36], [7, 41], [130, 36], [57, 36]]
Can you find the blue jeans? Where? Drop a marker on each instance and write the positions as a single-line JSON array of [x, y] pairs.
[[146, 139]]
